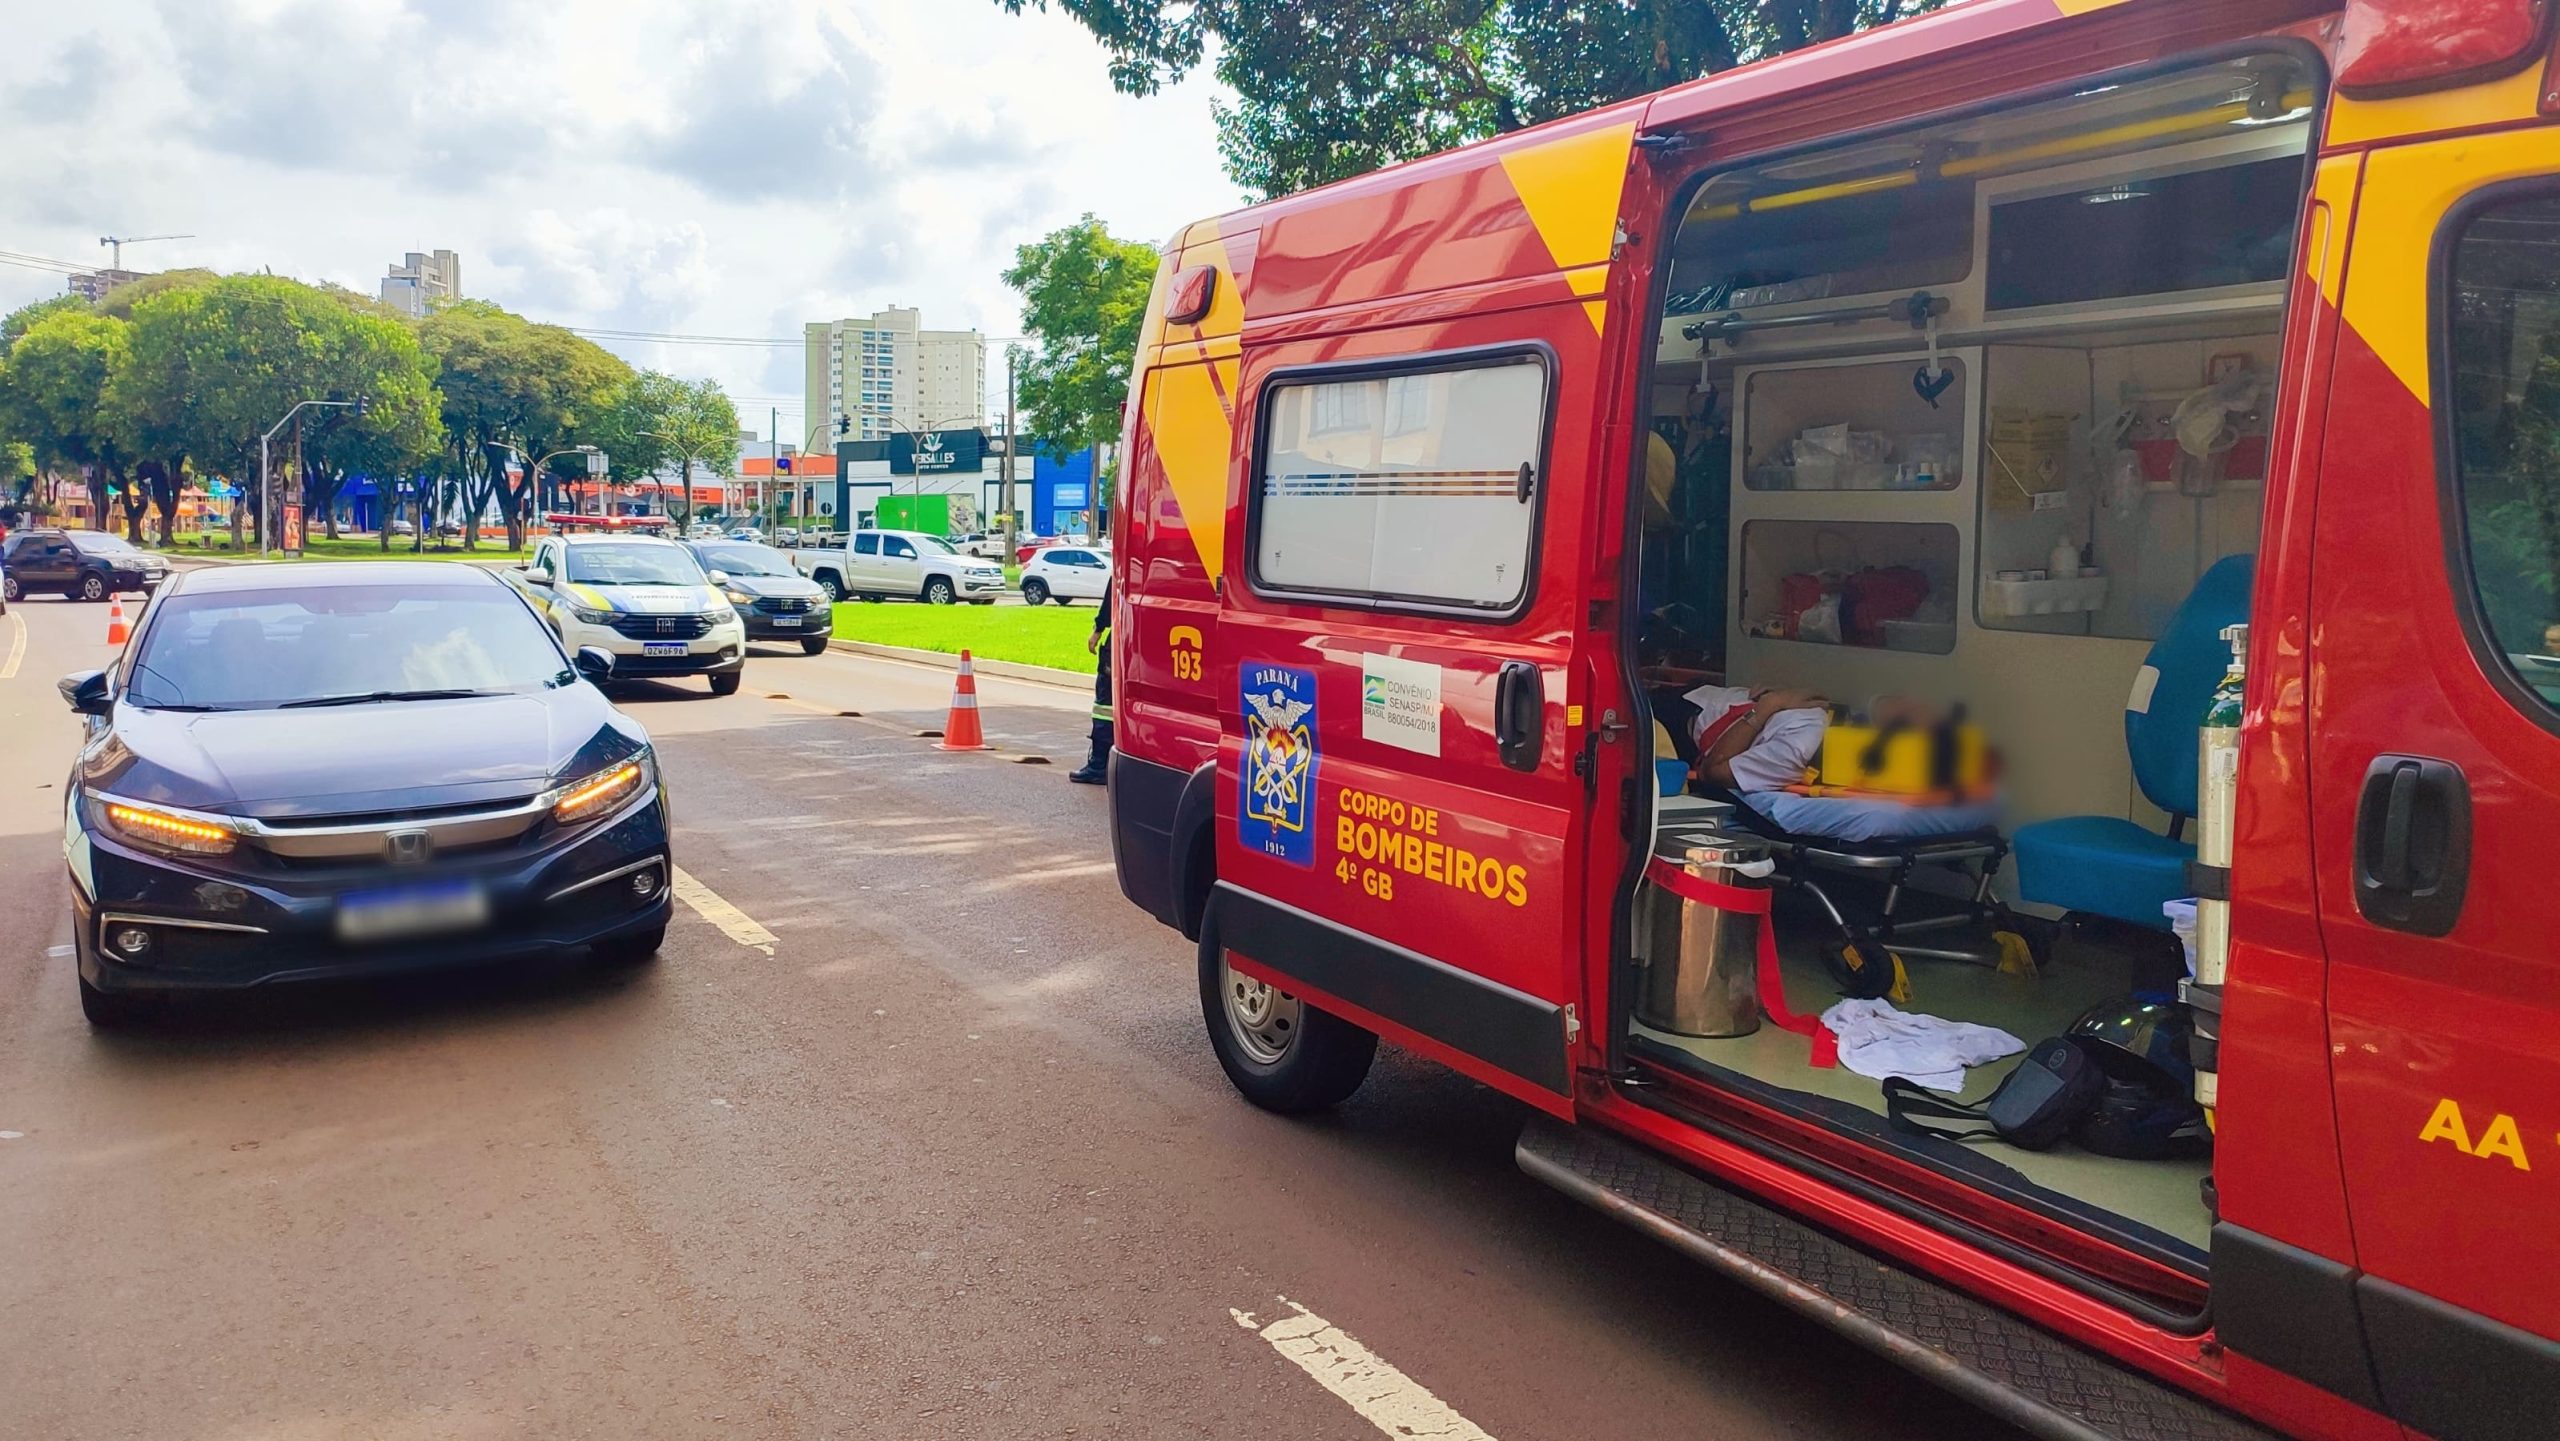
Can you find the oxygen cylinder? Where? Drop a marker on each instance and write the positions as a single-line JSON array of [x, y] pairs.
[[2217, 801]]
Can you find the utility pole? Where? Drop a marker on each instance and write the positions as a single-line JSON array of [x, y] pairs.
[[773, 433], [1012, 442]]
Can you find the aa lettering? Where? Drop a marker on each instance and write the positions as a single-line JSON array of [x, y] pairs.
[[2499, 1139]]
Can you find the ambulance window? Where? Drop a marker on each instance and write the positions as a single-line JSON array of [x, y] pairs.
[[1416, 486], [2501, 348]]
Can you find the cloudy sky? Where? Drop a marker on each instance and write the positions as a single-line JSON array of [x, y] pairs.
[[701, 167]]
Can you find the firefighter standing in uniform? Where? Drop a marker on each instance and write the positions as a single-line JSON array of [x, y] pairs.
[[1097, 766]]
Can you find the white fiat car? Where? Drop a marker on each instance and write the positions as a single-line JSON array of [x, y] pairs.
[[641, 598]]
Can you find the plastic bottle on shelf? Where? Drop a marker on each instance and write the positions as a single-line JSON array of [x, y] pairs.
[[2064, 563]]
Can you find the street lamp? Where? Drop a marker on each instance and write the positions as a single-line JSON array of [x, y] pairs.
[[264, 505]]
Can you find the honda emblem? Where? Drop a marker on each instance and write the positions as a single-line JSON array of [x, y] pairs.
[[407, 848]]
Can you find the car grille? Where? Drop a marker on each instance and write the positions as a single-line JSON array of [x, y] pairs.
[[786, 605], [662, 627]]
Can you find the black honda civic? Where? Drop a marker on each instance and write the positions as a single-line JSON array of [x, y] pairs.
[[323, 770]]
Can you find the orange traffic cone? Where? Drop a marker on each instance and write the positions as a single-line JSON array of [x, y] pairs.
[[117, 631], [961, 732]]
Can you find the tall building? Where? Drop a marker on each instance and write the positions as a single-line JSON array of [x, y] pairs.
[[97, 284], [887, 373], [421, 278]]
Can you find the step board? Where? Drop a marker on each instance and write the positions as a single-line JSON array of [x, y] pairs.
[[2007, 1366]]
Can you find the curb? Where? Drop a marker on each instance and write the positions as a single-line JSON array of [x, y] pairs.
[[943, 660]]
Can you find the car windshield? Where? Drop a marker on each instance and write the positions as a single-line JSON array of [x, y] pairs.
[[99, 542], [632, 565], [746, 560], [934, 545], [258, 649]]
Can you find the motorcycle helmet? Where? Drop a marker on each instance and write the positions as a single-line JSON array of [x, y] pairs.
[[2147, 1109]]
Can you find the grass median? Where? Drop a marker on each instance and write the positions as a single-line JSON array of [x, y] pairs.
[[1024, 634]]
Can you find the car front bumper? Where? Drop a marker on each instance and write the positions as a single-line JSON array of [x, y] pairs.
[[763, 626], [222, 927], [721, 650]]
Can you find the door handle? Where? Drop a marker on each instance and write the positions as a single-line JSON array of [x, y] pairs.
[[2413, 844], [1520, 714]]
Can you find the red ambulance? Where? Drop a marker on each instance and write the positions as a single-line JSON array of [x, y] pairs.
[[2010, 353]]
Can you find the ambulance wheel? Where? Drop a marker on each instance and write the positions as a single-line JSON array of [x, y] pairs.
[[1283, 1054]]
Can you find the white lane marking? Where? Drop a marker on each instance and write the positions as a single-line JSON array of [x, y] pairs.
[[1384, 1396], [736, 924], [17, 646]]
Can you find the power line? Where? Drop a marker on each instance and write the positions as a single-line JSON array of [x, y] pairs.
[[40, 262]]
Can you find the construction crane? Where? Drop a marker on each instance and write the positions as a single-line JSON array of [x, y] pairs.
[[117, 243]]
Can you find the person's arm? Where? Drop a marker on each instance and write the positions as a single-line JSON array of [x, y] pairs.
[[1716, 763], [1101, 634]]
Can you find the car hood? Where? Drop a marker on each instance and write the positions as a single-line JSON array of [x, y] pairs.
[[644, 599], [337, 760], [799, 585]]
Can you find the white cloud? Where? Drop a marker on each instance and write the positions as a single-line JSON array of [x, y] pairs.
[[729, 169]]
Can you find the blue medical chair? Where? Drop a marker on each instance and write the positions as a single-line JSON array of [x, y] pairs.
[[2107, 865]]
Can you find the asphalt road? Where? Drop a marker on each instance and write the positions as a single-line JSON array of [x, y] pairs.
[[945, 1156]]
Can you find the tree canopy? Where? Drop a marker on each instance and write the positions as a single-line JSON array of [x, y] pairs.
[[656, 419], [513, 390], [1084, 295], [1330, 88]]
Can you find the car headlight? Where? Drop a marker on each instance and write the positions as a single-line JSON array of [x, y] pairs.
[[739, 598], [155, 828], [591, 617], [597, 793]]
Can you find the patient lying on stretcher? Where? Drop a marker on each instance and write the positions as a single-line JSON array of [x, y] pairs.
[[1766, 746]]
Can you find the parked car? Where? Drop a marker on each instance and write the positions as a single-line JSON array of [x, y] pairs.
[[774, 601], [325, 770], [404, 528], [1022, 553], [1066, 572], [905, 564], [987, 545], [749, 534], [82, 564], [642, 599]]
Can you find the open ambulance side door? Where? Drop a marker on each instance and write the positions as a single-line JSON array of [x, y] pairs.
[[1408, 766]]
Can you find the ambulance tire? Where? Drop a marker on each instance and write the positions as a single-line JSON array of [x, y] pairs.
[[1312, 1063]]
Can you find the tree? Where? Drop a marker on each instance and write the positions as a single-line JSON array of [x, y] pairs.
[[216, 365], [510, 386], [53, 392], [401, 424], [1084, 294], [656, 418], [16, 322], [1329, 88]]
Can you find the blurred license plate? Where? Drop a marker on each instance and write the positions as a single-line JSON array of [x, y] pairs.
[[786, 620], [389, 915], [662, 647]]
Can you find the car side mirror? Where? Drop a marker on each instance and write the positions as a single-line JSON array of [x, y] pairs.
[[86, 692], [536, 576], [595, 664], [719, 577]]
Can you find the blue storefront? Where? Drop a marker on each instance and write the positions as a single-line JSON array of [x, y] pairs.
[[1061, 490]]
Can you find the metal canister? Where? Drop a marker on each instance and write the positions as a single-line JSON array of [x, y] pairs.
[[1702, 962]]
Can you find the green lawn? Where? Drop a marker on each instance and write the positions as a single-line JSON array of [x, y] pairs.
[[1047, 635], [318, 547]]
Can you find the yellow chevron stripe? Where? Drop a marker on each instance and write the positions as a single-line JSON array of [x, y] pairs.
[[1570, 186], [1193, 440]]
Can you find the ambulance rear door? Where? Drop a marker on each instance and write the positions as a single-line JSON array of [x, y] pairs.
[[2435, 758]]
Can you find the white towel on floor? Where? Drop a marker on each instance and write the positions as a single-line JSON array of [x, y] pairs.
[[1876, 1040]]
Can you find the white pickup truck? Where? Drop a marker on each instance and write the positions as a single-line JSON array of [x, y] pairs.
[[901, 564]]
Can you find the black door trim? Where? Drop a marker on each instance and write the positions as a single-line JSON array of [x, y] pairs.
[[1512, 1030]]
